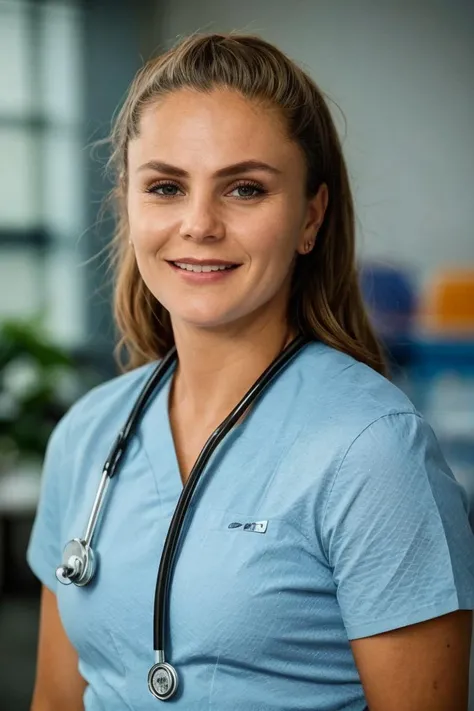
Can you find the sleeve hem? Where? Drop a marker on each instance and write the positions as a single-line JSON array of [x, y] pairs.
[[422, 614]]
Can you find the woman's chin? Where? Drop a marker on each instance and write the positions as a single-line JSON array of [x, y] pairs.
[[209, 320]]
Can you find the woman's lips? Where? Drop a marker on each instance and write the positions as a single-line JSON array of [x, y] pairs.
[[204, 275]]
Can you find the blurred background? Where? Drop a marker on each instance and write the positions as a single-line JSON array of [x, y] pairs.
[[401, 73]]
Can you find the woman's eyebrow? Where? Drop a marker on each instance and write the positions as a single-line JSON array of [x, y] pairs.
[[245, 166]]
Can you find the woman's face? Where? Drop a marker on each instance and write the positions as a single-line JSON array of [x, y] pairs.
[[217, 208]]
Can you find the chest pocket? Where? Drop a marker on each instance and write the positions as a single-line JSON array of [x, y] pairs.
[[247, 536], [235, 563], [237, 586]]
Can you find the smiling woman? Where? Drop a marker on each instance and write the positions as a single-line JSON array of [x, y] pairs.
[[315, 548], [274, 150], [210, 208]]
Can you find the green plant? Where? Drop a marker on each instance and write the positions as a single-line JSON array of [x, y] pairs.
[[38, 382]]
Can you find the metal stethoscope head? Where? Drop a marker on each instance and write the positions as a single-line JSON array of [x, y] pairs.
[[79, 562]]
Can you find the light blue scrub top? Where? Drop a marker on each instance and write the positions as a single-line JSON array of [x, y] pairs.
[[367, 531]]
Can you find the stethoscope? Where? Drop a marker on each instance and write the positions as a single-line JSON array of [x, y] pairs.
[[79, 562]]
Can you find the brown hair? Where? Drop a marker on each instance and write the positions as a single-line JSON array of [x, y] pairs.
[[326, 302]]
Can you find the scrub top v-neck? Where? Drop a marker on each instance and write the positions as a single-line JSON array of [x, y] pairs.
[[156, 438], [327, 515]]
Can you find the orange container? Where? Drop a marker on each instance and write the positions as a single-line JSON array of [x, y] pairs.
[[447, 304]]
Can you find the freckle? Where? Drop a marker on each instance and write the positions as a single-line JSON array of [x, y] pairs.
[[435, 685], [448, 645]]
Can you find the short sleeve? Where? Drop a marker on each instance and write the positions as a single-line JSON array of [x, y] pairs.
[[396, 530], [44, 548]]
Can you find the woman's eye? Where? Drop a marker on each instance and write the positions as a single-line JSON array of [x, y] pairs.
[[164, 189], [248, 190], [245, 191]]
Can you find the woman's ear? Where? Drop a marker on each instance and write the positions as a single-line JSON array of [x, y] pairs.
[[316, 211]]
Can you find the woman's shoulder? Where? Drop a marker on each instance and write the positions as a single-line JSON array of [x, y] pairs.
[[346, 391], [107, 405]]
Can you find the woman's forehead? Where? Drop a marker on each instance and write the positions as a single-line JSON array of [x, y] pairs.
[[220, 126]]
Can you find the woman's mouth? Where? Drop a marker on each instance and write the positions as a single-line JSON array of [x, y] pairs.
[[199, 272], [198, 268]]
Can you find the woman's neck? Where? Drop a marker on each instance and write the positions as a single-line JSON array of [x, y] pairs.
[[215, 370]]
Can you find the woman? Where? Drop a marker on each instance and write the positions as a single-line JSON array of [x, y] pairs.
[[326, 560]]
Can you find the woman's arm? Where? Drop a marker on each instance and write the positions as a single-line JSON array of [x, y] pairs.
[[58, 684], [422, 667]]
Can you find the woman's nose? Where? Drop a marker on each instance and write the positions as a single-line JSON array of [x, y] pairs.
[[202, 221]]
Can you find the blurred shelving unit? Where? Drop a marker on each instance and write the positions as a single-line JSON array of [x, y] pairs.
[[443, 367]]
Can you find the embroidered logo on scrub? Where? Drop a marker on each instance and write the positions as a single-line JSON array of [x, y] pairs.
[[254, 526]]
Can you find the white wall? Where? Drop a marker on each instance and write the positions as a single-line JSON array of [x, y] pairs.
[[402, 73]]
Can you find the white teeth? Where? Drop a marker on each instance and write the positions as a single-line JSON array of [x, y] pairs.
[[200, 267]]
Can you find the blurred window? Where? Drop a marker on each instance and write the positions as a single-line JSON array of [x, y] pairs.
[[42, 164]]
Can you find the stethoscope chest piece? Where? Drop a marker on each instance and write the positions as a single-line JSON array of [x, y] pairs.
[[78, 564], [162, 681]]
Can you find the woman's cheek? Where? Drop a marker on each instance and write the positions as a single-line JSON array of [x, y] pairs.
[[148, 231]]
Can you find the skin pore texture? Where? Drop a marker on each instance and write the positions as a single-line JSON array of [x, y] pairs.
[[215, 177]]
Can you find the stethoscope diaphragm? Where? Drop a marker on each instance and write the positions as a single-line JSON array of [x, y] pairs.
[[78, 564], [162, 681]]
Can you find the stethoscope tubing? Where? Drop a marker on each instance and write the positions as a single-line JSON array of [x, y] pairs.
[[136, 413], [177, 521], [120, 444]]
